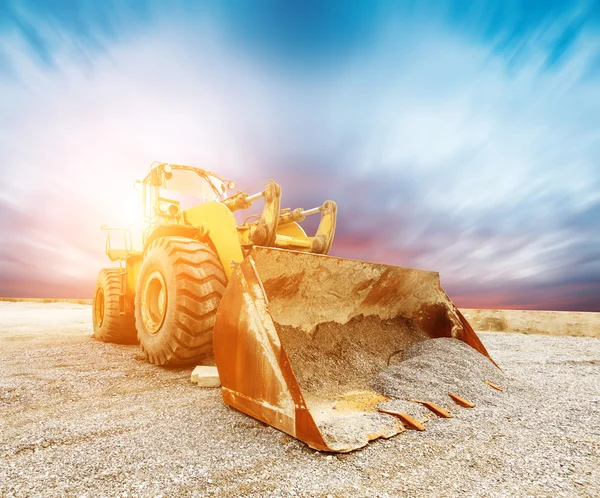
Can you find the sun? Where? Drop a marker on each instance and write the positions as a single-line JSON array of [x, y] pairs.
[[123, 209]]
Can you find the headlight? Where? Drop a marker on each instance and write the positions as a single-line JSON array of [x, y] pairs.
[[173, 210]]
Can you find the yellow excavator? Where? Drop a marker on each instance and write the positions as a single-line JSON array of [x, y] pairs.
[[296, 335]]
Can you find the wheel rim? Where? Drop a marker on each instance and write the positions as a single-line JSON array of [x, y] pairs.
[[154, 301], [99, 307]]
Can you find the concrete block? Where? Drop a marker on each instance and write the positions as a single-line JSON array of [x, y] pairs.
[[206, 376]]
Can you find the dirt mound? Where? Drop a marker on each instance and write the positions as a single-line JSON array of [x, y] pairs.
[[346, 357]]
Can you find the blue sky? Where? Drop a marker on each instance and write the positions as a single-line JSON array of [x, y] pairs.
[[461, 137]]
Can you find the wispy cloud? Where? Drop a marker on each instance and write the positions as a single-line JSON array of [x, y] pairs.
[[447, 146]]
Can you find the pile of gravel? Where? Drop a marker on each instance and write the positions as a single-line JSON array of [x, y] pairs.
[[431, 370]]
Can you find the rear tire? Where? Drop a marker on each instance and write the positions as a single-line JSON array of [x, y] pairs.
[[179, 289], [109, 324]]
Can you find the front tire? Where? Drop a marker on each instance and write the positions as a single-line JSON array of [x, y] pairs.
[[109, 324], [179, 289]]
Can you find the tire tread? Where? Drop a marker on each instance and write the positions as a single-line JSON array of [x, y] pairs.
[[115, 328], [199, 286]]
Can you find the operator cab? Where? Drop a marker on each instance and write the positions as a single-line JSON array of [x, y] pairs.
[[171, 188]]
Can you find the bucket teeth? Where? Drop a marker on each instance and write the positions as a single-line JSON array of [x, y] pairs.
[[461, 401], [438, 410], [407, 420], [497, 388]]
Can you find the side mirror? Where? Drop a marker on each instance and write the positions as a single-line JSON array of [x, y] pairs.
[[138, 185], [155, 177]]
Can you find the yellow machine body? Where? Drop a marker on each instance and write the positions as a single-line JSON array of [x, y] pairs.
[[213, 222], [222, 230]]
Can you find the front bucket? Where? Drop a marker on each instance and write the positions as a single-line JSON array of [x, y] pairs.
[[299, 337]]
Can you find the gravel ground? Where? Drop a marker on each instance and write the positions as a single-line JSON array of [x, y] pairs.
[[83, 418]]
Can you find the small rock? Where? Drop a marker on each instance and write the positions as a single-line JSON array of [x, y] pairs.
[[206, 376]]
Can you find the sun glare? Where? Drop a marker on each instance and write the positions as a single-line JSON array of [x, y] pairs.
[[123, 210]]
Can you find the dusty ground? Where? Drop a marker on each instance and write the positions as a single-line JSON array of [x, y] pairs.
[[83, 418]]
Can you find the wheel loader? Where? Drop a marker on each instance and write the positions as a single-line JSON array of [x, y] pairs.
[[296, 335]]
